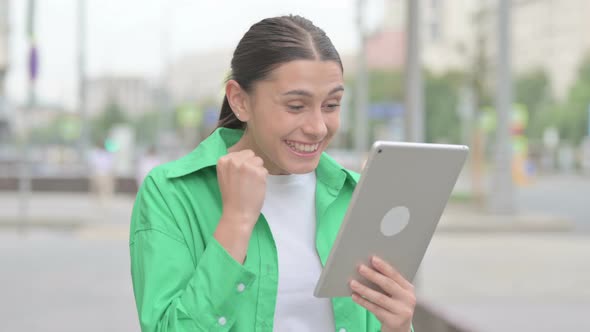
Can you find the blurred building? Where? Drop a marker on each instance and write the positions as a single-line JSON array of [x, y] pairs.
[[134, 95], [547, 34], [386, 49], [27, 118], [200, 77], [446, 28], [197, 77], [4, 33]]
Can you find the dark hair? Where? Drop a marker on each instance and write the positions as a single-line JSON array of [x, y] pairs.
[[268, 44]]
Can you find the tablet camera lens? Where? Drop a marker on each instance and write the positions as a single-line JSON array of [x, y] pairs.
[[379, 151]]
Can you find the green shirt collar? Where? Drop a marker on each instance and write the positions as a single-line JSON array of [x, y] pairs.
[[206, 153], [213, 147]]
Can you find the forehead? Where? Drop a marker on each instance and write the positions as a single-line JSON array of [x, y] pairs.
[[312, 75]]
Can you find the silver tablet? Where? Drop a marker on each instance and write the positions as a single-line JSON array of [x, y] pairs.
[[400, 197]]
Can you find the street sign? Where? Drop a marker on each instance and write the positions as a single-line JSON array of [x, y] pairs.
[[385, 110]]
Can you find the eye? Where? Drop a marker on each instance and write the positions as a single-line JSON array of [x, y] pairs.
[[295, 107], [332, 107]]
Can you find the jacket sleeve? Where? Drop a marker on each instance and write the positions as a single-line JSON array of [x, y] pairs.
[[176, 290]]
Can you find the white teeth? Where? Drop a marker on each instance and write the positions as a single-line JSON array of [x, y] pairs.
[[305, 148]]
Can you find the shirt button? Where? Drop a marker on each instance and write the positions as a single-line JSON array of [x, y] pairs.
[[241, 287], [342, 330], [222, 321]]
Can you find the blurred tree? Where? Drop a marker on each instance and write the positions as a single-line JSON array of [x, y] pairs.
[[440, 104], [64, 128], [443, 123], [574, 122], [102, 124], [146, 128], [386, 86], [49, 134], [533, 90]]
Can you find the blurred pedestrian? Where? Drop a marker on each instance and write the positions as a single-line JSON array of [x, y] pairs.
[[227, 238], [145, 163], [102, 177]]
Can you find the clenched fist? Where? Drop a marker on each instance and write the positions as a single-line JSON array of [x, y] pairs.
[[242, 181]]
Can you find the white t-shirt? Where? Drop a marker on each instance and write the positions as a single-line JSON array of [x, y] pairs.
[[289, 208]]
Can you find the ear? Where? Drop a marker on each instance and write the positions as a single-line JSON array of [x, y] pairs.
[[238, 100]]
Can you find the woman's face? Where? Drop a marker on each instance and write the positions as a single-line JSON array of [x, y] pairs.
[[293, 114]]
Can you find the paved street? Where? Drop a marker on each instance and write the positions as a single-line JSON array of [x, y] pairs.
[[562, 195], [65, 282]]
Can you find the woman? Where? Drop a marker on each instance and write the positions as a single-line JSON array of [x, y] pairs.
[[228, 237]]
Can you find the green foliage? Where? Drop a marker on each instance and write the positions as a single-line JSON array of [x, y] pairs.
[[385, 86], [574, 121], [533, 90], [102, 124], [570, 116], [49, 134], [443, 123], [63, 129], [440, 106], [146, 128]]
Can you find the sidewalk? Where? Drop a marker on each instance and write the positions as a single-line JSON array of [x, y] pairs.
[[65, 210], [508, 281], [465, 218], [79, 210]]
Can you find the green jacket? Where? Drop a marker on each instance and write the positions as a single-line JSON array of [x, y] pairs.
[[184, 280]]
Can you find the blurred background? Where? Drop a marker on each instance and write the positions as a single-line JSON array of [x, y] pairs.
[[93, 94]]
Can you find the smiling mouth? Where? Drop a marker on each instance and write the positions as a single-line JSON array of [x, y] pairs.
[[303, 148]]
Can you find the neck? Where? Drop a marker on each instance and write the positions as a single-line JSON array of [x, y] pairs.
[[245, 143]]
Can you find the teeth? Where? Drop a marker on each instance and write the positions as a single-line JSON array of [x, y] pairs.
[[306, 148]]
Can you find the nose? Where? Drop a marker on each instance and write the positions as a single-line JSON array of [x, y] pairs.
[[315, 125]]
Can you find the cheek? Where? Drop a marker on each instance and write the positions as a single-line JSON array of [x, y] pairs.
[[333, 121]]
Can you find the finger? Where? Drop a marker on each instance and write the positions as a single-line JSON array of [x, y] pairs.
[[256, 164], [391, 272], [222, 161], [262, 172], [256, 161], [238, 157], [246, 153], [384, 316], [231, 159], [372, 295], [249, 159], [387, 284], [378, 311], [241, 156]]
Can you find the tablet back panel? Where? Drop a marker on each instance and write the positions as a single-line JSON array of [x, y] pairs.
[[401, 182]]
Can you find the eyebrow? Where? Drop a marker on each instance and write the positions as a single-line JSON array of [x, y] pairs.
[[308, 94]]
